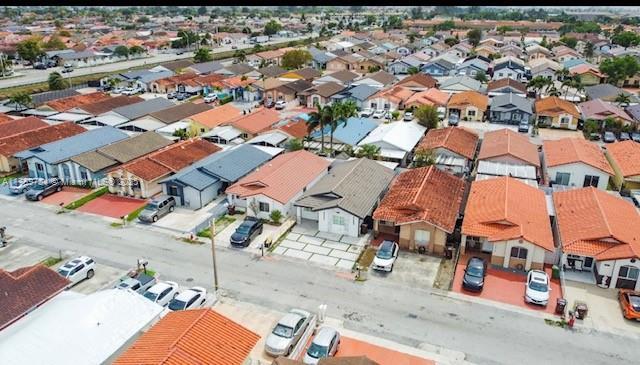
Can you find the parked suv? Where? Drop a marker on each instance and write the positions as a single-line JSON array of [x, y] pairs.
[[157, 208], [247, 231], [43, 189], [78, 269]]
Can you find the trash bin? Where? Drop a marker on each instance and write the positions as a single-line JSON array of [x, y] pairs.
[[581, 310], [561, 304], [448, 252], [363, 228], [555, 272]]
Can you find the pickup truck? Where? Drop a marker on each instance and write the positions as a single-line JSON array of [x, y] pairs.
[[139, 283]]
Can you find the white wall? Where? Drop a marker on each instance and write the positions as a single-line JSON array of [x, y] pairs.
[[614, 268], [534, 254], [325, 222], [578, 172]]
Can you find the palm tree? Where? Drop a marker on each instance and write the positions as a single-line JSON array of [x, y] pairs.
[[562, 74], [577, 85], [57, 82], [552, 91], [319, 119], [341, 112], [20, 101], [566, 84], [538, 83], [623, 99], [369, 151], [239, 55]]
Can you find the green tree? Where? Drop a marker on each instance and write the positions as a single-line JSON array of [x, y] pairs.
[[446, 25], [369, 151], [619, 68], [239, 55], [474, 36], [21, 101], [394, 22], [481, 76], [295, 144], [142, 20], [412, 70], [424, 157], [503, 29], [64, 33], [202, 55], [588, 50], [272, 27], [319, 119], [275, 216], [623, 99], [121, 51], [202, 10], [54, 43], [538, 83], [136, 50], [451, 41], [570, 42], [370, 19], [427, 116], [29, 49], [626, 39], [57, 82], [296, 58]]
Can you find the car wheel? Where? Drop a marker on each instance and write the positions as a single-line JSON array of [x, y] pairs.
[[171, 208], [24, 190], [261, 229], [288, 351], [155, 218], [40, 197], [391, 270], [59, 188], [90, 274]]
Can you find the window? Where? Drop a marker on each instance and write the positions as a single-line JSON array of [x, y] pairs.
[[519, 252], [628, 272], [422, 237], [562, 178], [500, 74], [338, 220], [39, 167], [471, 113], [263, 207], [590, 180], [172, 190], [564, 120]]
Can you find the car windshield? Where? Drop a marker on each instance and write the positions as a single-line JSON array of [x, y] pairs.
[[177, 305], [39, 186], [475, 271], [634, 300], [316, 351], [538, 286], [151, 296], [385, 252], [151, 206], [63, 272], [283, 331], [243, 229]]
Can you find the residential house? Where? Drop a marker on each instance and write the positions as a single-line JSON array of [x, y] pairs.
[[396, 140], [344, 199], [544, 67], [349, 133], [510, 68], [224, 134], [26, 289], [127, 113], [343, 63], [557, 113], [458, 84], [164, 117], [106, 105], [505, 87], [608, 92], [53, 159], [508, 219], [307, 74], [508, 148], [454, 148], [511, 109], [421, 209], [509, 50], [64, 104], [91, 166], [391, 99], [271, 187], [432, 97], [402, 66], [273, 57], [319, 58], [320, 94], [13, 144], [442, 65], [624, 158], [289, 91], [576, 162], [140, 177], [418, 82], [272, 138], [472, 67], [599, 237], [169, 84], [204, 68], [17, 126], [589, 75], [211, 118], [255, 122], [272, 71], [197, 185], [564, 53], [600, 111], [633, 111], [358, 94], [379, 80], [468, 105], [344, 78], [536, 51], [486, 50]]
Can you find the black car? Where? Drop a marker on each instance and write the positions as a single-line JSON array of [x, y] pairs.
[[523, 127], [248, 230], [43, 189], [474, 274]]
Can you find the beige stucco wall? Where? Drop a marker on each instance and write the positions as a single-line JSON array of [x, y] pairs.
[[438, 237]]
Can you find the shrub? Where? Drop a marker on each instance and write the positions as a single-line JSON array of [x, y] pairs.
[[276, 216], [395, 115], [225, 100]]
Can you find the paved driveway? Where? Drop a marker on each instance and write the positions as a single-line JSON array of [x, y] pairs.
[[17, 255], [104, 277], [112, 205], [66, 196], [411, 269], [223, 238], [6, 194]]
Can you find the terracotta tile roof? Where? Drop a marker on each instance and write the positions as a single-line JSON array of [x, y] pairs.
[[469, 98], [599, 110], [505, 208], [506, 142], [584, 68], [425, 194], [23, 141], [493, 85], [17, 126], [428, 97], [596, 223], [397, 94], [421, 79], [5, 118], [455, 139], [553, 106], [25, 288], [217, 116], [283, 177], [626, 155], [70, 102], [199, 336], [107, 105], [237, 81], [296, 129], [257, 121], [170, 159], [570, 150]]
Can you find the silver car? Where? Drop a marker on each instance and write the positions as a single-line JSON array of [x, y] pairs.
[[157, 208], [325, 344], [287, 333], [21, 185]]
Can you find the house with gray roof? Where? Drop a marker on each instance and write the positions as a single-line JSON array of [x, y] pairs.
[[320, 58], [137, 110], [510, 109], [199, 184], [458, 84], [53, 159], [380, 80], [344, 199], [358, 94], [634, 112], [608, 92], [205, 68]]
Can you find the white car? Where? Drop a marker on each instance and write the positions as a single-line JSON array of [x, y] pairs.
[[379, 114], [324, 344], [287, 333], [129, 91], [537, 288], [189, 299], [280, 104], [162, 293], [366, 113], [210, 98], [117, 90], [408, 116], [386, 256], [78, 269]]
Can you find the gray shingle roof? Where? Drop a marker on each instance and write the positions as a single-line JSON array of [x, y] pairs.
[[362, 92], [353, 186], [506, 102], [634, 111], [607, 92], [207, 67], [138, 110]]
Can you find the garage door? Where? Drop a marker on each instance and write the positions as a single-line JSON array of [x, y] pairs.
[[627, 277], [422, 238]]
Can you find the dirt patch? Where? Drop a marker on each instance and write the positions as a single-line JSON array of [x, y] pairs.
[[444, 278]]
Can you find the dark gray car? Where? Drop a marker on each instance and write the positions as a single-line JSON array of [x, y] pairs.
[[157, 208], [43, 189]]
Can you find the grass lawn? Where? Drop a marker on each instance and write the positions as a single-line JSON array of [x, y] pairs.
[[4, 180], [221, 223], [51, 261]]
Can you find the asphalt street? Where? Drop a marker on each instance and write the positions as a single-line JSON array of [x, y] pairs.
[[392, 310]]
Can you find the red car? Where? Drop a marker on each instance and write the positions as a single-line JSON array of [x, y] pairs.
[[629, 303]]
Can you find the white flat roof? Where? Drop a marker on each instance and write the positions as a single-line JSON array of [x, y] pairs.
[[394, 154], [171, 128], [506, 169], [273, 151], [42, 113], [450, 160], [273, 138], [146, 124], [77, 328], [69, 117], [108, 120]]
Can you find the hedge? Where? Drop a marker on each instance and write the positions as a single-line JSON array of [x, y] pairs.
[[87, 198]]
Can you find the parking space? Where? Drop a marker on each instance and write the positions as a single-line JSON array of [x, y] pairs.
[[502, 285], [223, 238], [17, 255], [112, 206], [104, 277], [329, 249], [66, 196], [8, 195], [411, 269]]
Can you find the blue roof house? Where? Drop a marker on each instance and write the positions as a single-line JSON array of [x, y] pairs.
[[199, 184], [54, 159], [350, 133]]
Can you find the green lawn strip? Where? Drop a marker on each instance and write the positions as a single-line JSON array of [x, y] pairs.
[[133, 215], [87, 198], [50, 261], [366, 258], [221, 223], [4, 180], [275, 244]]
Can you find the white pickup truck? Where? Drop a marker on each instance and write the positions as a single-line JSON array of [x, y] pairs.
[[138, 283]]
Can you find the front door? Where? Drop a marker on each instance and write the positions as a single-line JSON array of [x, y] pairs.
[[518, 258], [338, 224]]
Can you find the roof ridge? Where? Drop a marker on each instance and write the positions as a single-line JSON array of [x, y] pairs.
[[358, 162], [601, 211], [193, 323], [424, 181], [22, 274]]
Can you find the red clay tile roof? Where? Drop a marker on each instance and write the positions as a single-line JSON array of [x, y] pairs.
[[170, 159], [455, 139], [505, 142], [626, 155], [571, 150], [70, 102], [419, 79], [199, 336], [23, 141], [281, 178], [259, 121], [23, 289], [469, 98], [505, 208], [425, 194], [428, 97], [397, 94], [296, 129], [5, 118], [596, 223], [554, 106], [18, 126], [107, 105], [216, 116]]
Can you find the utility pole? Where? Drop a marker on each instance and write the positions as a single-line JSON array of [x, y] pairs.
[[212, 230]]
